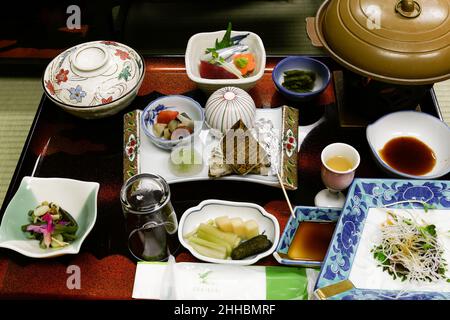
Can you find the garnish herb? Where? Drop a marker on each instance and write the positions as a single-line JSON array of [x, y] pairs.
[[224, 43], [410, 251], [241, 62]]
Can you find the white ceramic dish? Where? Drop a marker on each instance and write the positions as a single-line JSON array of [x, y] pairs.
[[196, 47], [152, 159], [94, 79], [426, 128], [78, 198], [228, 105], [211, 209], [173, 102]]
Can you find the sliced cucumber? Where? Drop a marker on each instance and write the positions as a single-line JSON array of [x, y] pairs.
[[208, 252]]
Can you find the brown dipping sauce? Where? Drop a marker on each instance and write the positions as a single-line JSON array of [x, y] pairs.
[[409, 155], [311, 240]]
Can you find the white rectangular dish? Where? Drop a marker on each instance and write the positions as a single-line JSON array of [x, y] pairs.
[[142, 156]]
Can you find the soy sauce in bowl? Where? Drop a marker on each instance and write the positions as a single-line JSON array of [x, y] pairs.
[[409, 155]]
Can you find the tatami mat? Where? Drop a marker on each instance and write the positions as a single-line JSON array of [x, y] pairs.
[[442, 90], [19, 99]]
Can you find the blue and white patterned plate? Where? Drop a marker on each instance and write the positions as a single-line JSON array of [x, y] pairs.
[[374, 193], [302, 214]]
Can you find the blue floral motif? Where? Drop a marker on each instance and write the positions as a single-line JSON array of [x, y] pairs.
[[358, 294], [77, 94], [420, 193], [329, 274], [363, 195], [367, 187], [348, 237], [150, 117]]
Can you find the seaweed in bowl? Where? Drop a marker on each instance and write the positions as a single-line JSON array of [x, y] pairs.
[[301, 78]]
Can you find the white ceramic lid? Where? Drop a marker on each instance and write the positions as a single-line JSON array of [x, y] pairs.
[[93, 73]]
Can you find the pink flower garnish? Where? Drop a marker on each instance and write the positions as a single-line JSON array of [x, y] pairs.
[[37, 229], [48, 218], [49, 230], [122, 54]]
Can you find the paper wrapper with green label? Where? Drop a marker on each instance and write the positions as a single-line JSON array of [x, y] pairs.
[[205, 281]]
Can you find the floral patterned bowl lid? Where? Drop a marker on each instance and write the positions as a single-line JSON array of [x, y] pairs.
[[93, 74]]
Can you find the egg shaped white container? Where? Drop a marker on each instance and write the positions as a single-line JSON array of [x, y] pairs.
[[226, 106]]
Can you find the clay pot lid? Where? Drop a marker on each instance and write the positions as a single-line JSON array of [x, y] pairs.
[[404, 41]]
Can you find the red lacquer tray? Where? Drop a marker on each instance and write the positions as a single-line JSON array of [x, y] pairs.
[[92, 150]]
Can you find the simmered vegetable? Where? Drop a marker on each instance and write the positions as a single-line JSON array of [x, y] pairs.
[[244, 229], [171, 125], [51, 225]]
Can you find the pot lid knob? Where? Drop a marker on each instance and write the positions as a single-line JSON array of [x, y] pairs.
[[408, 8], [90, 58]]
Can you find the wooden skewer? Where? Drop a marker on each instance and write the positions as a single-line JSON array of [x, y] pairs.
[[285, 195], [39, 158]]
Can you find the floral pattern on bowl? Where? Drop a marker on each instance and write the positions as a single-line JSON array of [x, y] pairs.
[[178, 103], [93, 74], [150, 117]]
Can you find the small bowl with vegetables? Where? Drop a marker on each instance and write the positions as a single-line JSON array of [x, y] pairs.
[[301, 78], [49, 217], [228, 232], [172, 119]]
